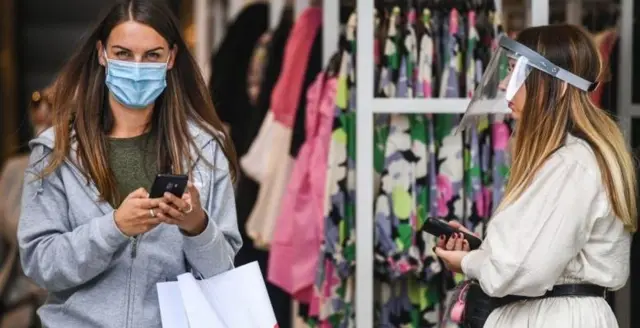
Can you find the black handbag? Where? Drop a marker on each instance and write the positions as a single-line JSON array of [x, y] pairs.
[[478, 306]]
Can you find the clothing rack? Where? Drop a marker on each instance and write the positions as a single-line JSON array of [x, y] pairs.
[[368, 105]]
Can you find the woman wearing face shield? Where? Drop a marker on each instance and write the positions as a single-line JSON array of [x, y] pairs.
[[561, 236], [129, 104]]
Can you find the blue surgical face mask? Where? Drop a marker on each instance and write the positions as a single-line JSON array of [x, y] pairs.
[[135, 85]]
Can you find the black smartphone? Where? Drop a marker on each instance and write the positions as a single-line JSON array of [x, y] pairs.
[[175, 184], [437, 227]]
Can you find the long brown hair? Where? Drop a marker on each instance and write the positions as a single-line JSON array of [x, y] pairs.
[[553, 109], [81, 103]]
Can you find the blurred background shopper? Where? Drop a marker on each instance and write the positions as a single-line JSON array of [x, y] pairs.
[[20, 297]]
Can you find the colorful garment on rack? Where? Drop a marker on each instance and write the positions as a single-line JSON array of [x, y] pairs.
[[392, 56], [450, 81], [449, 145], [402, 204], [403, 256], [275, 164], [293, 257], [400, 210], [335, 276], [477, 195], [401, 207], [424, 83]]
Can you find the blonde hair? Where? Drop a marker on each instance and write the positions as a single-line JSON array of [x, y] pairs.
[[553, 109]]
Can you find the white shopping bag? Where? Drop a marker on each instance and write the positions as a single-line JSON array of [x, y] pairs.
[[172, 311], [199, 312], [236, 298]]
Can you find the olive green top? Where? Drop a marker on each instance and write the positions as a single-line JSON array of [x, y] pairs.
[[133, 162]]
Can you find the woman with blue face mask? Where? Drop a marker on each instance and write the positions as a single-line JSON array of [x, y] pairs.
[[129, 104]]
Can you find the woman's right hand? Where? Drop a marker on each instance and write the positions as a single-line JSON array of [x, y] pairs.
[[135, 214]]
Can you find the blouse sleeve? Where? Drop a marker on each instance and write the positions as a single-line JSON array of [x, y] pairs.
[[530, 242]]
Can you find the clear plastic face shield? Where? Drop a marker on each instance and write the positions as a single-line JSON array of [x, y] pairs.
[[507, 71]]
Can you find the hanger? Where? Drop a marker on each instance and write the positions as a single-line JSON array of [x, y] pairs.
[[426, 16]]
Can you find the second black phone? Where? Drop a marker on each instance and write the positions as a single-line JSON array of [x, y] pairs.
[[437, 227]]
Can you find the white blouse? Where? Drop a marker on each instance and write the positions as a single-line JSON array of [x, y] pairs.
[[561, 230]]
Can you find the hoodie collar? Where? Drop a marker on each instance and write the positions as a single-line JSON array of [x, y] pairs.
[[47, 139]]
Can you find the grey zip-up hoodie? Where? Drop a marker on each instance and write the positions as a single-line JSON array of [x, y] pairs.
[[95, 275]]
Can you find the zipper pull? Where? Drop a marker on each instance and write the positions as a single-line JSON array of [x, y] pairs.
[[134, 247]]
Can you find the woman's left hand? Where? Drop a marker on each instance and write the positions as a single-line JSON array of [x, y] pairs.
[[185, 212], [451, 250], [452, 259]]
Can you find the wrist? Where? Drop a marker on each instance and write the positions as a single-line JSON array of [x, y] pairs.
[[199, 227], [114, 217], [116, 221]]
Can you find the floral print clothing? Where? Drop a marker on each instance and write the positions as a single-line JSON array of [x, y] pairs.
[[425, 170], [335, 276]]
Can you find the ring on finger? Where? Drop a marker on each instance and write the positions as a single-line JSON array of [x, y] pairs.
[[152, 213], [189, 209]]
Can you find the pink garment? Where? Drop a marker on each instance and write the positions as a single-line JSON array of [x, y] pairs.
[[287, 91], [293, 257], [276, 134]]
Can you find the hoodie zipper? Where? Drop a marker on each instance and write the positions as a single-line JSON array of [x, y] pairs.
[[135, 243], [134, 247]]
